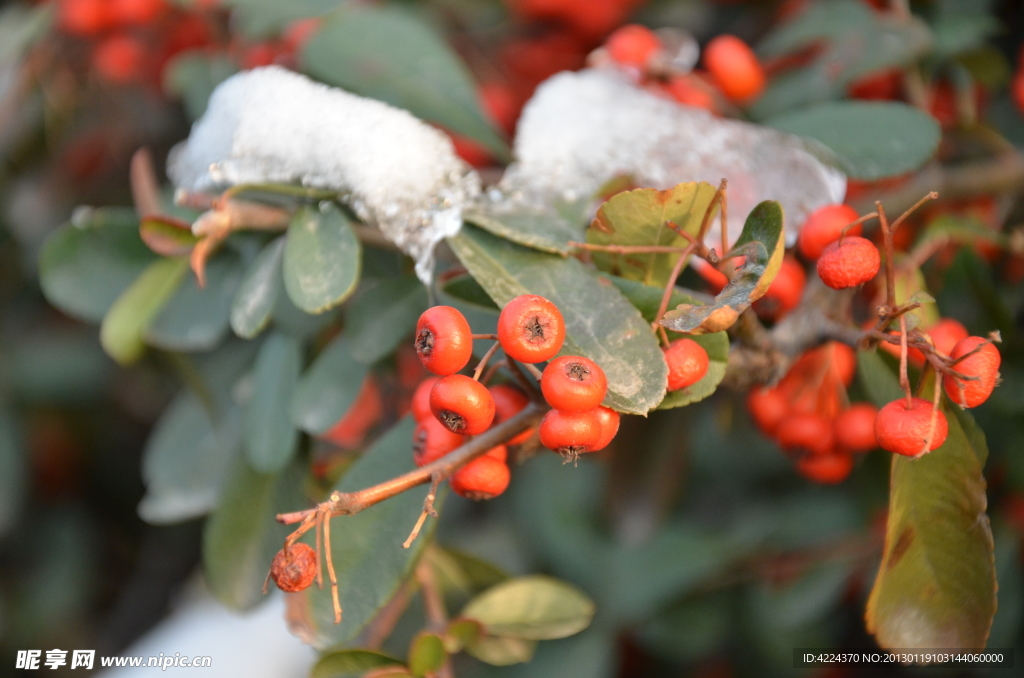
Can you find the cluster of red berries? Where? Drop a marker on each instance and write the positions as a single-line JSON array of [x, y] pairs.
[[732, 70], [845, 259], [807, 414], [450, 407]]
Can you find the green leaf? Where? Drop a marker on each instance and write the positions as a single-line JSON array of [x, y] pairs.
[[321, 258], [871, 140], [762, 242], [254, 302], [818, 21], [269, 436], [878, 381], [193, 75], [379, 319], [543, 228], [185, 459], [936, 587], [466, 288], [638, 217], [85, 265], [689, 631], [260, 19], [389, 54], [426, 654], [368, 555], [123, 326], [462, 633], [167, 237], [501, 651], [241, 537], [600, 323], [328, 388], [647, 300], [531, 608], [350, 663], [196, 318]]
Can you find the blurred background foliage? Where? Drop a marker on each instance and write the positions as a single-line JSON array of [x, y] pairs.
[[704, 553]]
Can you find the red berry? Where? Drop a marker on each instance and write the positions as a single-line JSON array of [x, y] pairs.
[[690, 91], [500, 453], [508, 402], [904, 430], [573, 384], [984, 364], [366, 411], [843, 361], [687, 363], [444, 341], [463, 405], [945, 335], [483, 478], [849, 262], [609, 421], [421, 399], [828, 469], [767, 407], [824, 227], [855, 428], [784, 293], [805, 432], [118, 59], [431, 441], [294, 568], [84, 17], [633, 45], [1017, 90], [735, 68], [571, 433], [136, 12], [531, 329]]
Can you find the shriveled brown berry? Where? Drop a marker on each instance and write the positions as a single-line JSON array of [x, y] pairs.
[[294, 568]]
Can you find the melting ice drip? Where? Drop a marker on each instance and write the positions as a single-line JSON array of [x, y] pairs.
[[270, 125]]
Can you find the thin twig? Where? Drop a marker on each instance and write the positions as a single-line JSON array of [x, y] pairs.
[[524, 383], [485, 336], [904, 380], [534, 372], [890, 267], [483, 361], [725, 216], [428, 511], [931, 196]]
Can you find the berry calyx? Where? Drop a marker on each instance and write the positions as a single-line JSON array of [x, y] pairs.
[[573, 384], [824, 227], [849, 262], [463, 405], [828, 469], [444, 341], [984, 365], [421, 399], [633, 45], [483, 478], [767, 407], [904, 430], [609, 422], [805, 432], [571, 433], [687, 363], [735, 68], [854, 428], [431, 441], [508, 402], [294, 568], [531, 329]]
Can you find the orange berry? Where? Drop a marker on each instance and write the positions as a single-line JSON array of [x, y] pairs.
[[463, 405], [500, 453], [421, 399], [508, 402], [849, 262], [633, 45], [904, 430], [984, 364], [767, 407], [785, 291], [366, 411], [573, 384], [687, 363], [805, 432], [84, 17], [735, 68], [118, 59], [824, 227], [855, 428], [444, 341], [294, 568], [828, 469], [946, 334], [571, 433], [531, 329], [691, 92], [483, 478], [843, 361], [609, 422], [431, 441]]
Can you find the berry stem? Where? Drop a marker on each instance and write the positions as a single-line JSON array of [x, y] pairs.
[[859, 220], [524, 383], [903, 217], [933, 422], [628, 249], [483, 361], [534, 372], [669, 286], [330, 569], [428, 510], [725, 215], [493, 337], [904, 380], [890, 266], [706, 221]]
